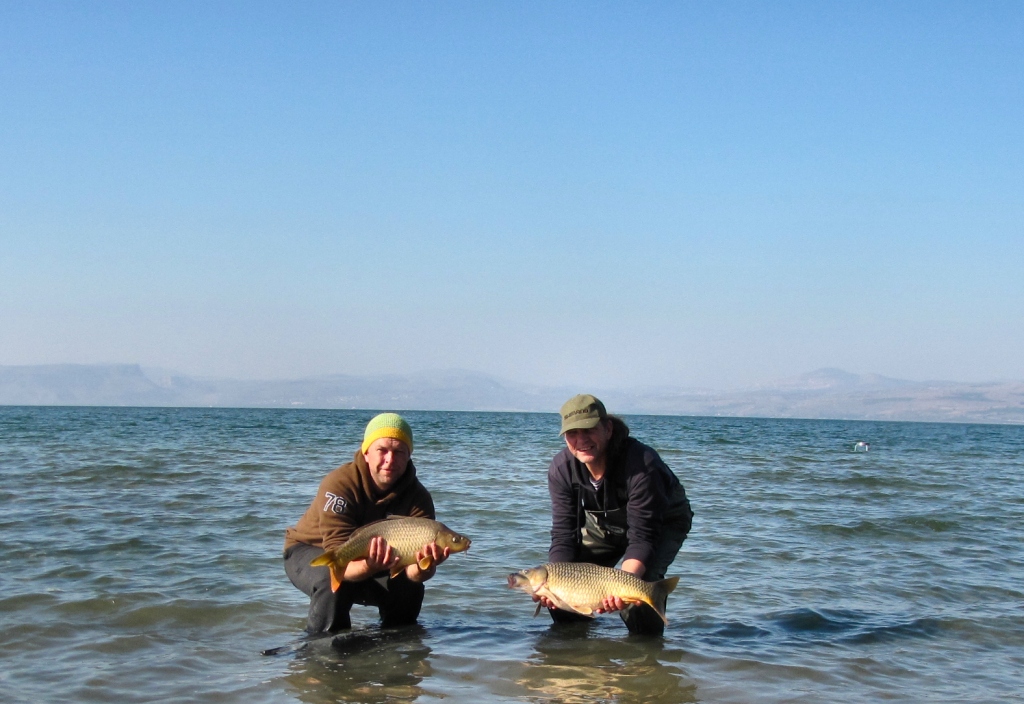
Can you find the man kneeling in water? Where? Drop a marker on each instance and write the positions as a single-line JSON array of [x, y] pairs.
[[379, 482], [613, 498]]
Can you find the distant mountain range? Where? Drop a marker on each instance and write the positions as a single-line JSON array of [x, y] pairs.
[[825, 393]]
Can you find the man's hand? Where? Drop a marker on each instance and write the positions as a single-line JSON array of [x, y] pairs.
[[610, 604], [435, 553], [380, 557], [614, 603], [544, 601]]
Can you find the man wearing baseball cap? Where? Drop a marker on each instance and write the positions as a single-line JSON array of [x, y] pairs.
[[612, 499], [380, 481]]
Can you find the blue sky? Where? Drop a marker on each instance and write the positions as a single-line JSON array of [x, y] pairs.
[[605, 194]]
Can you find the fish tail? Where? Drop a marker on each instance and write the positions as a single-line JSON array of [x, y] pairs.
[[659, 595], [668, 585], [336, 567]]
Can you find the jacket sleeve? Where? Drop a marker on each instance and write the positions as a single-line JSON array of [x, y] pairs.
[[563, 513], [337, 512], [422, 503], [646, 504]]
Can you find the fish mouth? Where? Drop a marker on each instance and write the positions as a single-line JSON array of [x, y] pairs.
[[516, 580]]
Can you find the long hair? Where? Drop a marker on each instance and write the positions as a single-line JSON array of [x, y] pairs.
[[620, 433]]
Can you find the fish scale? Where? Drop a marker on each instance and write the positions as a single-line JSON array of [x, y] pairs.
[[405, 536], [581, 587]]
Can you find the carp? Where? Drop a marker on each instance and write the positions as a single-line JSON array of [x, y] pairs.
[[404, 534], [581, 587]]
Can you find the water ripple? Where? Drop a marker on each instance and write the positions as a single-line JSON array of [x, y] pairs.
[[140, 558]]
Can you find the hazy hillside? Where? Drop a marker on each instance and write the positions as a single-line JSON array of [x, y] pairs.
[[130, 385], [833, 393], [825, 393]]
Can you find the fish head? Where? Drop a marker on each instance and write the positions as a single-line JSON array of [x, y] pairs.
[[528, 580], [453, 541], [517, 580]]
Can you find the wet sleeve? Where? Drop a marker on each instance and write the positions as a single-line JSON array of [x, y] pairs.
[[563, 514], [646, 504]]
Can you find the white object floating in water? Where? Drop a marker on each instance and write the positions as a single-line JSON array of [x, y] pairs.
[[861, 447]]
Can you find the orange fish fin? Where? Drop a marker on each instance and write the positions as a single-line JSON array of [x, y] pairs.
[[337, 576], [323, 559], [396, 570], [426, 562]]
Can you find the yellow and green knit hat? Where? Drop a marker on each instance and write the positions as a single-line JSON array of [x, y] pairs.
[[387, 425]]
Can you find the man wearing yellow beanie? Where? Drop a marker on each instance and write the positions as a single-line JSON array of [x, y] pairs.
[[380, 481]]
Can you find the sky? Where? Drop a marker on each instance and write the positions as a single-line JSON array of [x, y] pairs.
[[685, 194]]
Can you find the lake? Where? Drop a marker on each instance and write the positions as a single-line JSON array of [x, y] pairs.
[[141, 561]]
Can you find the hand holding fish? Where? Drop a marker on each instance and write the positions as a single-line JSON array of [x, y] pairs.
[[613, 603], [543, 601], [588, 589], [432, 553], [414, 545], [380, 556], [610, 604]]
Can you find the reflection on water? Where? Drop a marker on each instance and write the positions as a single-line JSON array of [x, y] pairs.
[[570, 664], [367, 665], [567, 663]]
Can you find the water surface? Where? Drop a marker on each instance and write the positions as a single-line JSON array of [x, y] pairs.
[[141, 561]]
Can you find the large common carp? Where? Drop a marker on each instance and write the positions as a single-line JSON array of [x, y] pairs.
[[582, 587], [405, 535]]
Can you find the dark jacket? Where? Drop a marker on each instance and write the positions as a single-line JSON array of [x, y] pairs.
[[636, 480]]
